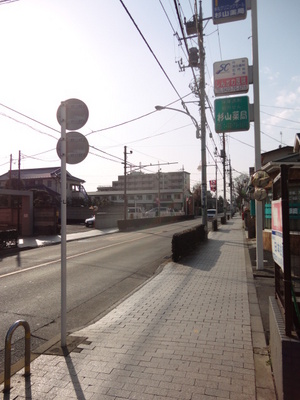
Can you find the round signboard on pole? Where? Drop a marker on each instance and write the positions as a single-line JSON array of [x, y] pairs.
[[77, 114], [77, 147]]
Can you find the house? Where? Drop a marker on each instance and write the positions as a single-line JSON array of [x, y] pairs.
[[30, 200], [47, 179]]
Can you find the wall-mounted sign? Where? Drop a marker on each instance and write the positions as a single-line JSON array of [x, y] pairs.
[[228, 10], [231, 77], [232, 114]]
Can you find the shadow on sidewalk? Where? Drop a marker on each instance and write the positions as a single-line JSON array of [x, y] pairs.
[[264, 282]]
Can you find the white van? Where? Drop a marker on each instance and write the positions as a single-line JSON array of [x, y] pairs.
[[135, 212]]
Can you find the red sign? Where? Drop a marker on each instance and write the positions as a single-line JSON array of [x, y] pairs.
[[213, 185]]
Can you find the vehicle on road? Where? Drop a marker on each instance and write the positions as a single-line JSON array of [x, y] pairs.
[[156, 211], [211, 213], [90, 222], [135, 212]]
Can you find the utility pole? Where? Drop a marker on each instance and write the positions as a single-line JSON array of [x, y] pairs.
[[230, 185], [125, 182], [19, 186], [158, 178], [203, 119], [216, 186], [224, 177], [10, 168], [256, 102]]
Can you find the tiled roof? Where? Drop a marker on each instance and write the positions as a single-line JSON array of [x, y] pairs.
[[37, 173]]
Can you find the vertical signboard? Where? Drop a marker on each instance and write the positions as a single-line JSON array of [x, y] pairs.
[[231, 77], [228, 10], [213, 185], [277, 238]]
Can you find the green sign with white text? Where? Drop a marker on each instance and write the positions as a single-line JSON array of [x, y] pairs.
[[232, 114]]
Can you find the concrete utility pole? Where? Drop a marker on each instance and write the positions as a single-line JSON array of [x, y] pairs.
[[258, 204], [203, 119], [224, 177], [230, 184], [125, 182]]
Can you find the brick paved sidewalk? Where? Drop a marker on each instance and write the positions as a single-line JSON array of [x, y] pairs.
[[186, 334]]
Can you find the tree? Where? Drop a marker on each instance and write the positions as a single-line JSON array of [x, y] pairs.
[[240, 189], [197, 194]]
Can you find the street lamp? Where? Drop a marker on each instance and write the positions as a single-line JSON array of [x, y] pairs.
[[159, 108], [203, 160]]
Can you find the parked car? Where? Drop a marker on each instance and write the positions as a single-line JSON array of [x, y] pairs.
[[211, 213], [90, 222], [135, 212], [163, 211]]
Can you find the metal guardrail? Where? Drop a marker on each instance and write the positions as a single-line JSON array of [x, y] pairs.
[[7, 361]]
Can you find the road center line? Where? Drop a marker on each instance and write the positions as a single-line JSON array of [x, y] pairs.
[[70, 257]]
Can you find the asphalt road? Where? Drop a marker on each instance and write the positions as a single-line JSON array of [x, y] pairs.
[[101, 271]]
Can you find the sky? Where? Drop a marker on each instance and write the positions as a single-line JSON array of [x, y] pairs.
[[54, 50]]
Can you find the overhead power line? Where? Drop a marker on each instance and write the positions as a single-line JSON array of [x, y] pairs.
[[152, 52]]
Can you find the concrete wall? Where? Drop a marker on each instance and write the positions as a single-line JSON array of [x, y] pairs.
[[107, 220], [285, 356], [9, 216]]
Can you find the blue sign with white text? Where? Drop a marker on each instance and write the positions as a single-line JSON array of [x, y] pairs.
[[228, 10]]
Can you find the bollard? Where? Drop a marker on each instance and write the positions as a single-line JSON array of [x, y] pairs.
[[7, 361]]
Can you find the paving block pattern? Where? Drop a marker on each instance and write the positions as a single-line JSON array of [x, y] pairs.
[[186, 334]]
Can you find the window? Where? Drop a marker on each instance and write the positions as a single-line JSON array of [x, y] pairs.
[[75, 188]]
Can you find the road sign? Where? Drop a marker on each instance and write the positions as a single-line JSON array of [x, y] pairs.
[[228, 10], [232, 114], [77, 114], [77, 147], [231, 77]]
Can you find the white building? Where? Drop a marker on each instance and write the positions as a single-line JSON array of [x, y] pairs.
[[169, 189]]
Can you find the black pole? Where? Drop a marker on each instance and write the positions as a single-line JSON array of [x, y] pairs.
[[288, 303]]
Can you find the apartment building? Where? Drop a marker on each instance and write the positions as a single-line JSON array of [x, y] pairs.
[[169, 189]]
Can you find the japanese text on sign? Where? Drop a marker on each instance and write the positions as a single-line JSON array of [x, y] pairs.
[[228, 10], [232, 114], [231, 77]]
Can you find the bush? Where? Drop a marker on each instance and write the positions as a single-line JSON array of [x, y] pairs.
[[186, 241]]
